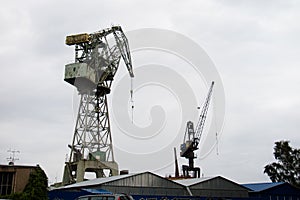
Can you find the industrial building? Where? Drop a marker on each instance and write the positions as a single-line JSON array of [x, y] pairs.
[[273, 191], [214, 187], [148, 185], [145, 183]]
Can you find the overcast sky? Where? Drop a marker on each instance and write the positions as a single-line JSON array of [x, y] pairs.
[[254, 45]]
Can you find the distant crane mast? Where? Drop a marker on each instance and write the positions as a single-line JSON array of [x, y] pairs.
[[192, 138], [97, 57]]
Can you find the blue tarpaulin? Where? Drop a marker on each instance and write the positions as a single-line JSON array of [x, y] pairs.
[[73, 194]]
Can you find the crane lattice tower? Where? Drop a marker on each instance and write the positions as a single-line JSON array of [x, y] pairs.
[[97, 58]]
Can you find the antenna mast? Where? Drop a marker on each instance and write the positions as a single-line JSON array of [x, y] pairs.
[[12, 158]]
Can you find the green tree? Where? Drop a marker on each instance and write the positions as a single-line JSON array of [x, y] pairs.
[[37, 185], [287, 167]]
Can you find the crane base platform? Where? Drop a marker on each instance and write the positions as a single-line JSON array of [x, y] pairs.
[[74, 171]]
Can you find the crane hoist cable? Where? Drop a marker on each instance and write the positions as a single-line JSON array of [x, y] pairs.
[[131, 98]]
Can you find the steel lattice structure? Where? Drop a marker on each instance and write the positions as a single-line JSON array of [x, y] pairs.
[[97, 58]]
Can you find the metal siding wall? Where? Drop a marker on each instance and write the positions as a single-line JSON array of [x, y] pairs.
[[216, 184], [219, 188], [146, 190], [144, 184], [219, 193]]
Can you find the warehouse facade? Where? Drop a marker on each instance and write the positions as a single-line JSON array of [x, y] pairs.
[[140, 184], [149, 186], [218, 187], [273, 191]]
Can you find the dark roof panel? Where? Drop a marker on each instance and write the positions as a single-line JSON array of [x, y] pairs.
[[261, 186]]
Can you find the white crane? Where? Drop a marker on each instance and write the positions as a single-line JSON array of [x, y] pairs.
[[97, 57]]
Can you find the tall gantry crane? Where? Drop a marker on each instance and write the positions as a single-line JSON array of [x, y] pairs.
[[192, 139], [97, 57]]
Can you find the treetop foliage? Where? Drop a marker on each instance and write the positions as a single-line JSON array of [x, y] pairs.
[[287, 167]]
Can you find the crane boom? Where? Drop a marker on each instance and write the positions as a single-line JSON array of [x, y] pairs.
[[122, 43], [203, 114]]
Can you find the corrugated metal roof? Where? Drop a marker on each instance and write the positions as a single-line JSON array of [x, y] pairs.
[[147, 183], [257, 187], [192, 181], [137, 183], [106, 180], [96, 181]]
